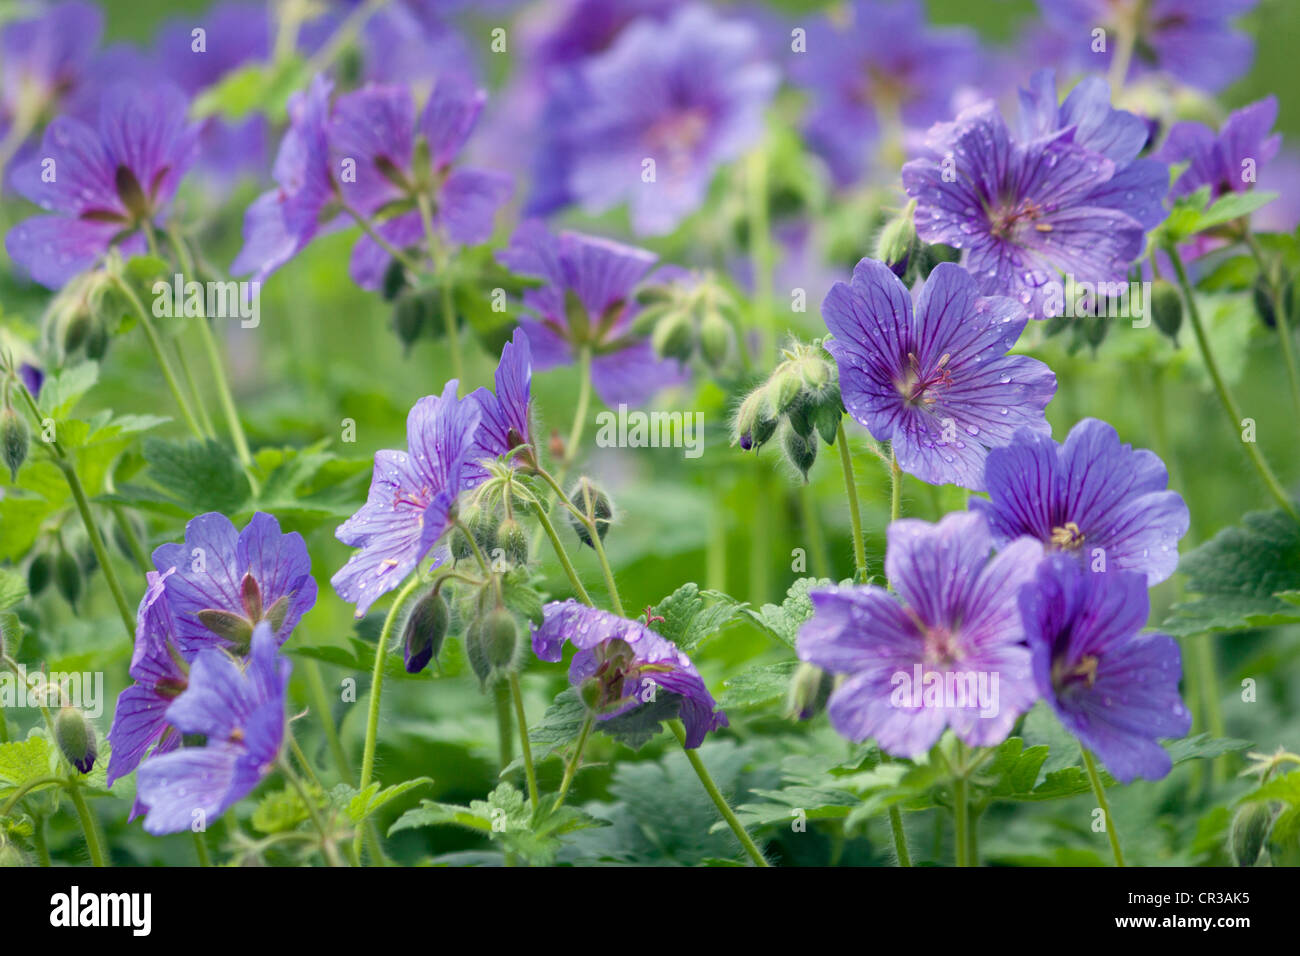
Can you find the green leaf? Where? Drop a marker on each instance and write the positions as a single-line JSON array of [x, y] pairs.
[[13, 588], [22, 761], [1240, 572], [198, 476], [688, 619], [279, 812], [362, 805], [759, 686], [1233, 205], [784, 620], [563, 720], [62, 390]]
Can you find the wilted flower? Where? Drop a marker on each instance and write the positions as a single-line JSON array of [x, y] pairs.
[[399, 158], [226, 582], [411, 495], [110, 183], [621, 664], [950, 654], [586, 301], [240, 712], [936, 381], [1105, 503], [1113, 688], [687, 94]]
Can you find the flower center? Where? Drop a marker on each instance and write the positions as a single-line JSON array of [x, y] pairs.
[[1005, 221], [941, 646], [677, 134], [1067, 537], [923, 388], [1085, 671]]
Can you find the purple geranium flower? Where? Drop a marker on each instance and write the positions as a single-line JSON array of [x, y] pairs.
[[281, 223], [951, 654], [411, 493], [505, 420], [241, 713], [1230, 160], [688, 94], [160, 676], [936, 381], [43, 60], [1102, 501], [399, 158], [106, 184], [1024, 212], [1190, 39], [624, 663], [226, 582], [586, 302], [235, 33], [1113, 688], [891, 65], [1087, 119]]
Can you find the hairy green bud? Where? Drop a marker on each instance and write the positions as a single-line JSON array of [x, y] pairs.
[[76, 738]]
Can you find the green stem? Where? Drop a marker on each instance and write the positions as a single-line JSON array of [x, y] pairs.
[[816, 542], [97, 544], [205, 420], [524, 745], [760, 253], [26, 788], [895, 488], [38, 840], [225, 398], [1100, 793], [1225, 398], [328, 849], [540, 510], [1208, 678], [160, 356], [579, 412], [201, 849], [715, 795], [376, 689], [88, 826], [896, 828], [572, 769], [505, 727], [132, 539], [855, 509], [605, 569], [388, 247], [961, 808], [316, 687], [1277, 285]]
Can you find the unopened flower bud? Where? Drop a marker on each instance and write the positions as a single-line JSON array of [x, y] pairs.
[[1166, 308], [783, 388], [1249, 831], [500, 639], [810, 688], [593, 503], [1266, 303], [513, 542], [15, 440], [716, 336], [897, 243], [409, 315], [10, 855], [425, 629], [674, 336], [76, 738], [800, 451], [39, 573], [67, 578]]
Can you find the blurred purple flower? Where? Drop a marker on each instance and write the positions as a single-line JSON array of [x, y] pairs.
[[1192, 40], [235, 34], [1229, 161], [104, 186], [957, 626], [620, 660], [1113, 688], [281, 223], [1024, 212], [1103, 502], [411, 494], [934, 381], [398, 158], [241, 713], [43, 60], [586, 301], [890, 66], [688, 94], [226, 582]]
